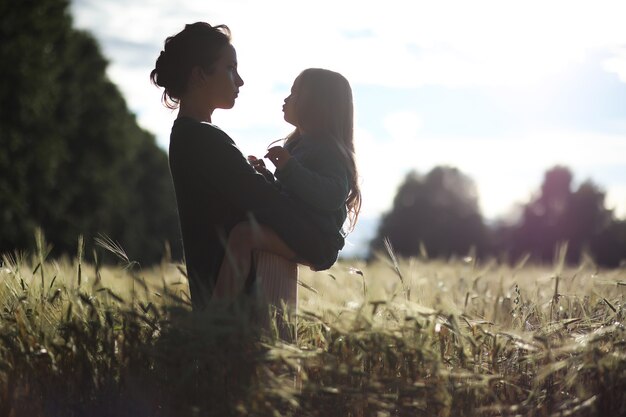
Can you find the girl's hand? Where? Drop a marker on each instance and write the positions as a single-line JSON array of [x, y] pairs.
[[278, 155]]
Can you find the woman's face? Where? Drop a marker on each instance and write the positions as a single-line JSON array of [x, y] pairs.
[[222, 84], [289, 108]]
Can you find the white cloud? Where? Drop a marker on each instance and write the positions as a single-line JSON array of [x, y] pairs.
[[617, 63], [451, 43], [403, 123], [616, 199], [506, 170]]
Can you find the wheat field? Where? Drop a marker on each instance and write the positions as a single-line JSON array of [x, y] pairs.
[[395, 337]]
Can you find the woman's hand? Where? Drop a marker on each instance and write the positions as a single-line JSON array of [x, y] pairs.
[[256, 163], [259, 166], [278, 155]]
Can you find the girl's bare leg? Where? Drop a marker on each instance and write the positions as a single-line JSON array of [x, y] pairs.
[[243, 239]]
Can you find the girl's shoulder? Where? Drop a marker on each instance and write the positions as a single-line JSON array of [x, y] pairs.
[[319, 151], [322, 144], [317, 141]]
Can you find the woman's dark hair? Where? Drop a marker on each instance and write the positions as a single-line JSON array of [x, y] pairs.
[[198, 45]]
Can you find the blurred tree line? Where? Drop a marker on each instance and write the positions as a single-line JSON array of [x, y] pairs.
[[437, 215], [73, 159]]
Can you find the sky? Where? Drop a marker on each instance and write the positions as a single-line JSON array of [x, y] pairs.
[[502, 90]]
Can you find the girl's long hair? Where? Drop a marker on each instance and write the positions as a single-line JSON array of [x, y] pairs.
[[324, 107]]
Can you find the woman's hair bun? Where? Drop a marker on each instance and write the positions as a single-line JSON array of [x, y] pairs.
[[161, 70]]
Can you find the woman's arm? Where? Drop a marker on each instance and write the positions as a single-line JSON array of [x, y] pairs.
[[219, 164]]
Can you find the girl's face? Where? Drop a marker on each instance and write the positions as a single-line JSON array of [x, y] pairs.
[[221, 86], [290, 106]]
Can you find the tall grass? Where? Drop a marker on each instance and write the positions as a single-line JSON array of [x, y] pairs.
[[400, 337]]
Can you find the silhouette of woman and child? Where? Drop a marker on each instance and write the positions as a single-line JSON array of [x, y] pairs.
[[230, 207]]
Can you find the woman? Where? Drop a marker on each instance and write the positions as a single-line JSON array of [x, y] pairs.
[[215, 186]]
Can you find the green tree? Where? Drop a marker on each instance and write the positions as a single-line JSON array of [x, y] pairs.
[[561, 214], [438, 211], [74, 160], [609, 246]]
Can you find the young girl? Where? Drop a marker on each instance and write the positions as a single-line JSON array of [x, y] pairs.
[[316, 168]]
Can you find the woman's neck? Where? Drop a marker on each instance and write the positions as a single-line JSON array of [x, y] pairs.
[[196, 112]]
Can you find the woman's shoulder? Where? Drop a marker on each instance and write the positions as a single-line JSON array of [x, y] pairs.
[[190, 130]]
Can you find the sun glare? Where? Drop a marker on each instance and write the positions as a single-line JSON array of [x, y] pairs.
[[527, 58]]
